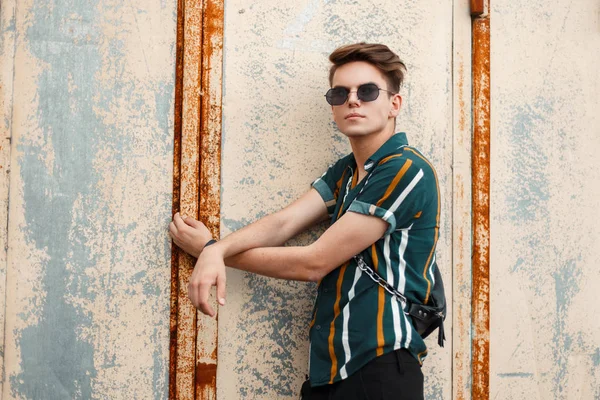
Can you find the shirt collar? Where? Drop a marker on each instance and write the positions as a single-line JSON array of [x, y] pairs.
[[391, 146]]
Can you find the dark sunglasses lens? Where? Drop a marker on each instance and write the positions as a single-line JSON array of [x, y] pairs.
[[336, 96], [368, 92]]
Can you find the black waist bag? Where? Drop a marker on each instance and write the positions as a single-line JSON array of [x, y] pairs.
[[425, 318], [428, 318]]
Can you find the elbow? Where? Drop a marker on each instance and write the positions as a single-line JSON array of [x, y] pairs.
[[317, 267], [315, 275]]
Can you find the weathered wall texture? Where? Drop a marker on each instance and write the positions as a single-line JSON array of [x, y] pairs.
[[545, 244], [88, 269], [278, 137], [7, 48]]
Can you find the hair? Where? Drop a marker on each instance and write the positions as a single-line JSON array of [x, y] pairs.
[[378, 55]]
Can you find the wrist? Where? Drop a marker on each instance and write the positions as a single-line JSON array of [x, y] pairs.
[[211, 241], [215, 248]]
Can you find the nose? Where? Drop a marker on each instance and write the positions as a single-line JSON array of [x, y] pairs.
[[353, 100]]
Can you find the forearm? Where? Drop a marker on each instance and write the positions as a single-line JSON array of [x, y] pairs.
[[299, 263], [266, 232], [275, 229]]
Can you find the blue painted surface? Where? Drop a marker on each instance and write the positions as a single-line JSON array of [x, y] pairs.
[[529, 186], [66, 37], [274, 308]]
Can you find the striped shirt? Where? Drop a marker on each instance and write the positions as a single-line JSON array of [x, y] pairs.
[[354, 319]]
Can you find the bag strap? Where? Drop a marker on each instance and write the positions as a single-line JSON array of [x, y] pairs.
[[407, 305], [378, 279]]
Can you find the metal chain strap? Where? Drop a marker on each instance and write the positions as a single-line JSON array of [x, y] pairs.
[[364, 267]]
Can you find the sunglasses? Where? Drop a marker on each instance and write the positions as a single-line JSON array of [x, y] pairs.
[[366, 92]]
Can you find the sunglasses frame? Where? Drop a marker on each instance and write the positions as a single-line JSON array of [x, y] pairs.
[[329, 99]]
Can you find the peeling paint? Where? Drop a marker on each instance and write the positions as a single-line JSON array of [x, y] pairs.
[[544, 236], [86, 291], [7, 50]]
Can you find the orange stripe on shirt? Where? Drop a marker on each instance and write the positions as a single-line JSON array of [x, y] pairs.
[[394, 182], [336, 312], [338, 185], [312, 323], [380, 305], [437, 225], [388, 158]]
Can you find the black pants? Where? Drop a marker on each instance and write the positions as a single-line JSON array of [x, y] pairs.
[[396, 375]]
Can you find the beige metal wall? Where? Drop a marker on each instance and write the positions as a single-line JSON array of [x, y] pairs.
[[86, 111], [278, 137], [545, 191]]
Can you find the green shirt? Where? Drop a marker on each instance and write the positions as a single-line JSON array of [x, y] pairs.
[[354, 319]]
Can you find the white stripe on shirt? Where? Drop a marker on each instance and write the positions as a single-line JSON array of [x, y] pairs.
[[346, 315]]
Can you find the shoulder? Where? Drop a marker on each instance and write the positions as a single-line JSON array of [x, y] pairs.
[[408, 159]]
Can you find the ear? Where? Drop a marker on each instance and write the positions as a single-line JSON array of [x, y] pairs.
[[396, 105]]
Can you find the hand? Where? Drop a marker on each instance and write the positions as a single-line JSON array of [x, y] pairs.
[[208, 272], [189, 235]]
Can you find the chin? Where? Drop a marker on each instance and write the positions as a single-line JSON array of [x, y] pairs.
[[355, 132]]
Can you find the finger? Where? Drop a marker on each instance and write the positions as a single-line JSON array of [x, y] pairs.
[[172, 228], [178, 221], [221, 288], [203, 294], [192, 222]]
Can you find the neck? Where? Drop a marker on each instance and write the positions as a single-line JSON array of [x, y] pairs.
[[365, 146]]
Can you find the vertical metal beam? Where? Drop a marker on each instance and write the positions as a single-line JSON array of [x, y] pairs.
[[196, 187], [189, 168], [210, 179], [173, 345], [481, 207], [461, 203]]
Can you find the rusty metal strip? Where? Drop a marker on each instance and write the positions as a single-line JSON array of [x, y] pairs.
[[481, 208], [176, 203], [182, 387], [210, 180]]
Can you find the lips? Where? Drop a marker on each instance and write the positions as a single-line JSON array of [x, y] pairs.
[[354, 115]]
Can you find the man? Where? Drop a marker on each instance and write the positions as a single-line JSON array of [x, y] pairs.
[[383, 202]]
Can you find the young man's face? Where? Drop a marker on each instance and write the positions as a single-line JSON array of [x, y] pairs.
[[357, 118]]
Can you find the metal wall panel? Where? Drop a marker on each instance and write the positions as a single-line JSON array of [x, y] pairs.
[[545, 191], [88, 269], [278, 137]]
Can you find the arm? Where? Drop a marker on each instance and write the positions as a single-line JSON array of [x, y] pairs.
[[348, 236], [273, 230]]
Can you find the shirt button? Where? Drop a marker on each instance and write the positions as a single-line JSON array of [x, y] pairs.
[[326, 290], [318, 327]]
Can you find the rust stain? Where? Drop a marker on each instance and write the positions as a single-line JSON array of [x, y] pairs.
[[462, 114], [211, 111], [206, 375], [481, 209]]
